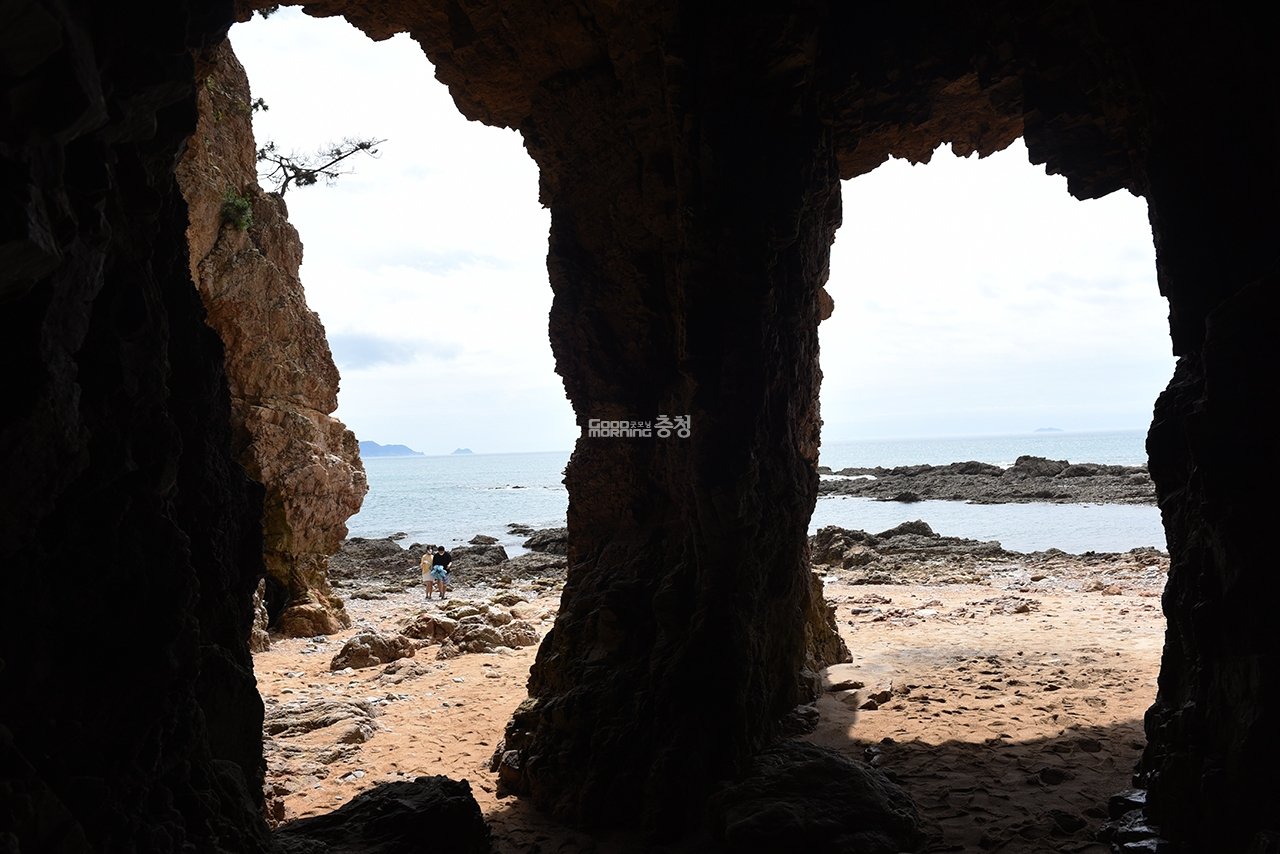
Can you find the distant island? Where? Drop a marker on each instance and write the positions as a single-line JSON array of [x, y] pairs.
[[461, 451], [373, 449], [1049, 430]]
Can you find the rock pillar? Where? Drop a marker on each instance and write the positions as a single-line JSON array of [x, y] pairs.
[[692, 213]]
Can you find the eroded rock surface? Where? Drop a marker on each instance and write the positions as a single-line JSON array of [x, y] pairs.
[[244, 258]]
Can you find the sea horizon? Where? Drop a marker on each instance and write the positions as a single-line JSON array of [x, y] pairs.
[[449, 498], [1040, 431]]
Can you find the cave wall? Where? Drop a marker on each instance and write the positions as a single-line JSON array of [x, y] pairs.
[[283, 382], [129, 717]]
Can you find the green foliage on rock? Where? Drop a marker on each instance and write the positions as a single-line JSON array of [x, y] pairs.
[[237, 210]]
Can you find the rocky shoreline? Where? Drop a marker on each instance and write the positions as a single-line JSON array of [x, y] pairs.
[[911, 553], [1030, 479]]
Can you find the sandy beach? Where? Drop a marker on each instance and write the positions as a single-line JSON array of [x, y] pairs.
[[1005, 696]]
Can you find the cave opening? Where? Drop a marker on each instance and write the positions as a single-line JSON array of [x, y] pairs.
[[1005, 652], [427, 268]]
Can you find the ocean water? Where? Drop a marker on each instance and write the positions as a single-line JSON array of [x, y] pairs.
[[450, 499]]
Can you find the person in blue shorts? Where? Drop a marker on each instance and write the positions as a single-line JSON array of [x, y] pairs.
[[438, 574]]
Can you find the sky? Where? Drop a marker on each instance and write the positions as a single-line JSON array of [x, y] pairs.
[[972, 296]]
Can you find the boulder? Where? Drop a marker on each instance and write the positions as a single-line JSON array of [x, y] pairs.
[[801, 797], [299, 717], [472, 557], [1029, 466], [832, 543], [918, 527], [474, 634], [536, 565], [369, 648], [383, 558], [1079, 470], [972, 467], [519, 633], [483, 540], [549, 541], [429, 627], [308, 620], [856, 556], [428, 812], [496, 616]]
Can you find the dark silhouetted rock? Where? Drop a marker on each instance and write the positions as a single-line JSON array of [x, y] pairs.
[[1029, 466], [429, 813], [800, 797], [919, 528], [549, 541], [1029, 479], [466, 558], [381, 558]]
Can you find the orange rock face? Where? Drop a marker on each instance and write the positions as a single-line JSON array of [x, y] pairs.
[[284, 386]]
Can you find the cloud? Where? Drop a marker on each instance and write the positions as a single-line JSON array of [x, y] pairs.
[[358, 351], [440, 262]]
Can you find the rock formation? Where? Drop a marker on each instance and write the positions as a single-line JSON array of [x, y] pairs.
[[130, 536], [284, 385], [690, 155], [1029, 479]]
